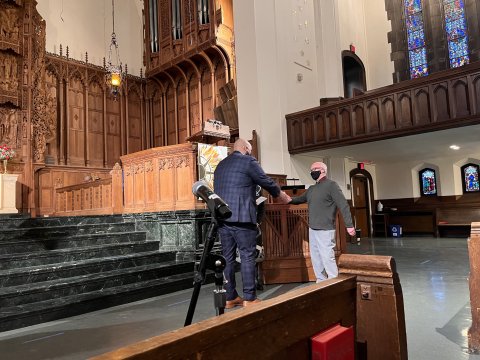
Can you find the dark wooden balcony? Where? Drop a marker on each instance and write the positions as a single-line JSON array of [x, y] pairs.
[[443, 100]]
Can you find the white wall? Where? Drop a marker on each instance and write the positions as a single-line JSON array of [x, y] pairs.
[[377, 26], [400, 179], [86, 26]]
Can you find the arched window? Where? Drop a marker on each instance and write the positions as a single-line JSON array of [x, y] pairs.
[[470, 178], [417, 51], [428, 182], [456, 29]]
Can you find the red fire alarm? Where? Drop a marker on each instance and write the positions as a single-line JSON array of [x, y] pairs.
[[361, 166], [352, 48]]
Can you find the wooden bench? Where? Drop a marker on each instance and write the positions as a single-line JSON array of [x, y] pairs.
[[367, 295], [456, 221]]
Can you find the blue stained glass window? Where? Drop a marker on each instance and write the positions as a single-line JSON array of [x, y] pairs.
[[470, 178], [428, 182], [417, 52], [456, 30], [413, 6]]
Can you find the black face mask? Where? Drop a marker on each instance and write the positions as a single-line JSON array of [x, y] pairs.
[[315, 174]]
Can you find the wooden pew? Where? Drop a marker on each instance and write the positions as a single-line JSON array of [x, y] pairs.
[[456, 221], [366, 295]]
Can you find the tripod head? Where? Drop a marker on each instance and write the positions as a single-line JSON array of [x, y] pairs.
[[218, 207]]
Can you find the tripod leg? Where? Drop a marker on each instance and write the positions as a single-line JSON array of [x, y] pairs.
[[219, 294], [200, 273]]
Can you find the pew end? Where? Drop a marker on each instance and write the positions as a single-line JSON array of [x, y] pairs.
[[281, 327]]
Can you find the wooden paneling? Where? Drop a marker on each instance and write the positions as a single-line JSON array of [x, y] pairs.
[[207, 97], [114, 140], [135, 122], [52, 177], [182, 112], [195, 115], [76, 123], [170, 112], [436, 102], [92, 198], [158, 120], [95, 135], [286, 244], [160, 179]]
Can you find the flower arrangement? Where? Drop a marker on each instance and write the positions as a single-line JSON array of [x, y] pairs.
[[6, 152]]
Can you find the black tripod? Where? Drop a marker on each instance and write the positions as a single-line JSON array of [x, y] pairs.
[[213, 262]]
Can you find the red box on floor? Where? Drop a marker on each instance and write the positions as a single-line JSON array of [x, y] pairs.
[[334, 343]]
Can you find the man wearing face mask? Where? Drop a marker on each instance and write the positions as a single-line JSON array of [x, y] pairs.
[[235, 181], [323, 199]]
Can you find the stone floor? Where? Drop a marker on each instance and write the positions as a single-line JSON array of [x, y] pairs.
[[433, 273]]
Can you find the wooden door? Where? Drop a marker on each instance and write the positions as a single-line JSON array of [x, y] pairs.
[[360, 203]]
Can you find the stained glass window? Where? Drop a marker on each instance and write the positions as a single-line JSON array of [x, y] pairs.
[[456, 29], [417, 51], [470, 178], [428, 182]]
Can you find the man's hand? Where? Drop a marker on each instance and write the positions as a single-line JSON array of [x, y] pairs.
[[351, 231], [283, 198]]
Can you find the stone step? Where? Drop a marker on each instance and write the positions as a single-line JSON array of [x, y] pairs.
[[48, 232], [39, 312], [33, 245], [24, 260], [59, 288], [50, 272], [7, 222]]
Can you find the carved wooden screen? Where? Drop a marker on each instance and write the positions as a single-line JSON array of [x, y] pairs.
[[182, 112], [195, 123], [76, 122], [95, 125], [51, 151], [135, 124], [220, 81], [171, 128], [157, 116], [207, 95], [114, 145]]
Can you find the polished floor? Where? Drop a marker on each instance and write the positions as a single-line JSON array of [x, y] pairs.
[[433, 273]]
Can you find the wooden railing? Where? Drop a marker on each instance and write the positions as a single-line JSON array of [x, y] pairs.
[[443, 100], [92, 198], [285, 242], [158, 179]]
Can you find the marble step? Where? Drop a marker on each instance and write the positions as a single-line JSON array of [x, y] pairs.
[[61, 271], [58, 288], [22, 222], [48, 310], [77, 241], [24, 260], [63, 231]]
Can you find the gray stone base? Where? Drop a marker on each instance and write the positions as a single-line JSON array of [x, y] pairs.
[[179, 231]]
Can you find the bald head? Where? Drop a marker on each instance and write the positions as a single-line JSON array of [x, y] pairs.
[[243, 146], [319, 166]]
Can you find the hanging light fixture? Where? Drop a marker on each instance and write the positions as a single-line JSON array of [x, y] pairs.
[[114, 74]]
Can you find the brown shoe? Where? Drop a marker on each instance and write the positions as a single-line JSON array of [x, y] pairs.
[[252, 302], [238, 301]]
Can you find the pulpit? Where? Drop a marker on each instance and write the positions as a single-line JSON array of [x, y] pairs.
[[8, 193]]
